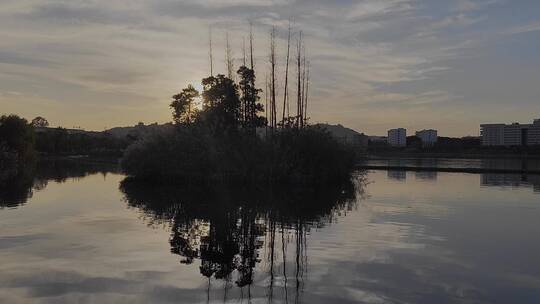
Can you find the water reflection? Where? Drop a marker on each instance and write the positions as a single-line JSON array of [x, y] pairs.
[[511, 164], [398, 175], [232, 229], [511, 180], [426, 175], [18, 185], [421, 241]]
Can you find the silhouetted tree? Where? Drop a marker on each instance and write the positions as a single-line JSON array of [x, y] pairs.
[[299, 101], [229, 60], [183, 105], [250, 99], [17, 136], [286, 86], [210, 51], [306, 67], [221, 103], [39, 122], [414, 142], [273, 63]]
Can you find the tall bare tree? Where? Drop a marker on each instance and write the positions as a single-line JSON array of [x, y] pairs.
[[244, 50], [286, 87], [251, 45], [306, 93], [210, 51], [266, 86], [244, 107], [303, 85], [299, 99], [229, 61], [273, 76]]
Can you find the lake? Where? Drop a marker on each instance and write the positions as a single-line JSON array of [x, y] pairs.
[[81, 233]]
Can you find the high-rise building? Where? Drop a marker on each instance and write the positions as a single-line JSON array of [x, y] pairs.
[[514, 134], [428, 137], [397, 137]]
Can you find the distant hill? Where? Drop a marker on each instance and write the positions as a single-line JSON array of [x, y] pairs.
[[137, 131], [345, 134], [69, 131]]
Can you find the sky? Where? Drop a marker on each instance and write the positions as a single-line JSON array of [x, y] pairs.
[[375, 64]]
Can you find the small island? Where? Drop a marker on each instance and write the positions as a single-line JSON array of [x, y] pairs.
[[225, 138], [220, 134]]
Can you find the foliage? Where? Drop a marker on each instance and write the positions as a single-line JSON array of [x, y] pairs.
[[183, 105], [16, 137], [221, 103], [39, 122], [182, 151], [250, 99], [61, 141], [192, 153]]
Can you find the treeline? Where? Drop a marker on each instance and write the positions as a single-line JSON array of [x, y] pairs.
[[60, 141], [226, 133], [22, 141]]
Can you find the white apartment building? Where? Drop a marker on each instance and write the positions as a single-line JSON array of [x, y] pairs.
[[514, 134], [428, 137], [397, 137]]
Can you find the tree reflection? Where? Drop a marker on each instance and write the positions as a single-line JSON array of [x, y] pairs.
[[17, 185], [231, 229]]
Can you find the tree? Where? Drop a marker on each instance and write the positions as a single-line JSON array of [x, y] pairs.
[[221, 103], [183, 105], [300, 98], [273, 62], [414, 142], [250, 98], [229, 60], [286, 86], [39, 122], [17, 135]]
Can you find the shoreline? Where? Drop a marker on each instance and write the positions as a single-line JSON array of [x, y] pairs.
[[449, 155], [447, 169]]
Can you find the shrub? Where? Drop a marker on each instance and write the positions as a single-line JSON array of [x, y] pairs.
[[192, 153]]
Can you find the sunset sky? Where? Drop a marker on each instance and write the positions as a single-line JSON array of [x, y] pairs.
[[376, 64]]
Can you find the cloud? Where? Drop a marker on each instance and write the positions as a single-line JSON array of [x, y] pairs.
[[460, 20], [115, 76], [9, 57], [531, 27], [470, 5], [372, 8]]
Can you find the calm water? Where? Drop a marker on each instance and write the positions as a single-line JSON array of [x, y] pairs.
[[81, 234], [459, 163]]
